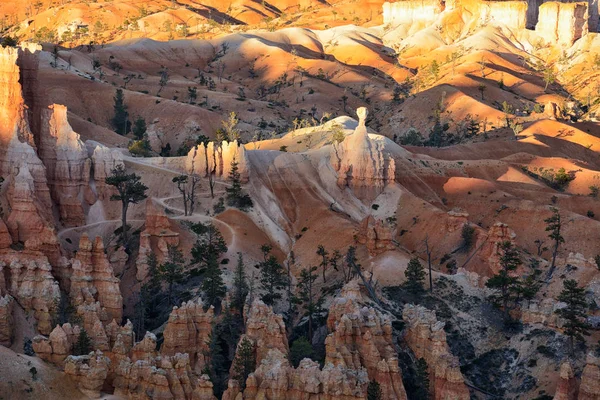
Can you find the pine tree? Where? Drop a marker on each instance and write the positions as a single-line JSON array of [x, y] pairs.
[[209, 243], [574, 313], [130, 191], [301, 349], [139, 128], [244, 363], [272, 277], [235, 196], [422, 378], [171, 271], [415, 276], [83, 346], [554, 225], [324, 259], [306, 296], [120, 118], [240, 285], [507, 288], [374, 391], [212, 285]]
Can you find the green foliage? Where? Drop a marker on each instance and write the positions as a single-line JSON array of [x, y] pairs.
[[83, 346], [415, 276], [8, 41], [240, 285], [213, 287], [422, 379], [33, 371], [171, 272], [554, 226], [307, 296], [575, 312], [28, 347], [209, 244], [272, 277], [219, 206], [434, 69], [120, 120], [337, 133], [244, 363], [374, 391], [139, 128], [301, 348], [412, 137], [468, 237], [130, 191], [235, 196], [594, 191], [140, 148], [506, 287]]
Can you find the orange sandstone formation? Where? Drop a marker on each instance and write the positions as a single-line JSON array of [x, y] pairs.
[[427, 339], [562, 23], [376, 235], [590, 379], [206, 158], [566, 389]]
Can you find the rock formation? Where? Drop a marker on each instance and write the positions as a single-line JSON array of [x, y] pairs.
[[566, 389], [56, 347], [188, 331], [67, 165], [161, 378], [155, 238], [361, 337], [358, 349], [427, 339], [490, 250], [211, 157], [31, 283], [542, 312], [590, 379], [104, 160], [408, 12], [89, 372], [6, 320], [361, 163], [93, 279], [376, 235], [562, 23]]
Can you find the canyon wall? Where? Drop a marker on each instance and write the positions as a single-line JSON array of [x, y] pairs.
[[562, 23], [427, 339], [406, 12]]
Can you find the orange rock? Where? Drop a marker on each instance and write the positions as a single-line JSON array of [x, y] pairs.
[[427, 339], [376, 235], [566, 389], [188, 331], [590, 379], [89, 372]]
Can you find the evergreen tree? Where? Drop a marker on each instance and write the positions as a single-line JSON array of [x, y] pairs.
[[301, 349], [507, 288], [272, 277], [554, 225], [306, 296], [422, 378], [121, 116], [574, 313], [240, 285], [235, 196], [212, 285], [324, 259], [415, 276], [244, 363], [171, 272], [130, 191], [83, 346], [139, 128], [374, 391], [209, 243]]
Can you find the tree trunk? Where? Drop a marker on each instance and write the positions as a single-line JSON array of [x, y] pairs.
[[124, 221]]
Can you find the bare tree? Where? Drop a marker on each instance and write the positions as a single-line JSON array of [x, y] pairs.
[[187, 187]]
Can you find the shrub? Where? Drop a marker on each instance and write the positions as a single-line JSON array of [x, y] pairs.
[[590, 214], [301, 349], [467, 234]]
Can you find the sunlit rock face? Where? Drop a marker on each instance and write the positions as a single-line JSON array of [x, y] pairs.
[[205, 159], [562, 23], [361, 163]]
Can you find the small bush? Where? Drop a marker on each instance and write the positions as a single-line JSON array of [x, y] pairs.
[[301, 349], [468, 236], [590, 214]]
